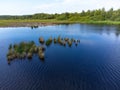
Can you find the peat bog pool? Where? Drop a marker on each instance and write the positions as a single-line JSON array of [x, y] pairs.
[[93, 65]]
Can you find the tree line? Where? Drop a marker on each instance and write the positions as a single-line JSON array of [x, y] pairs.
[[94, 15]]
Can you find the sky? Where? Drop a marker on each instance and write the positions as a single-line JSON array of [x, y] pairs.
[[25, 7]]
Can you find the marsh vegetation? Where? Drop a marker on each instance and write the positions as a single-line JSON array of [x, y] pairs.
[[28, 49], [98, 16]]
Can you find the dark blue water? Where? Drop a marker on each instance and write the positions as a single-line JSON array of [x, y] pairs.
[[93, 65]]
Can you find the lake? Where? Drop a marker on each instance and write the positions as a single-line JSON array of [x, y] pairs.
[[93, 65]]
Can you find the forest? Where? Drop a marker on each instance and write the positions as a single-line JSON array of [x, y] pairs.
[[94, 15]]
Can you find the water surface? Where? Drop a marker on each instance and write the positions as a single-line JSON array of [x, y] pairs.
[[93, 65]]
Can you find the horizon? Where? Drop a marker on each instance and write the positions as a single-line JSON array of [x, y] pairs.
[[56, 6], [58, 13]]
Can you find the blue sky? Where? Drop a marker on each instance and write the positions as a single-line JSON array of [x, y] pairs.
[[22, 7]]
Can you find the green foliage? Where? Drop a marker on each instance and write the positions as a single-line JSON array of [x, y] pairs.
[[23, 47], [84, 16], [48, 42], [63, 16]]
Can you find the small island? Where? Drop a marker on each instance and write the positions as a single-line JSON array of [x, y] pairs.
[[28, 49]]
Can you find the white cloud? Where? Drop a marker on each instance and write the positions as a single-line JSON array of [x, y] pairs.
[[55, 6], [18, 8], [78, 5]]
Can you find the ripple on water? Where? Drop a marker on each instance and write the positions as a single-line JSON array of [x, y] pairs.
[[109, 76], [93, 65]]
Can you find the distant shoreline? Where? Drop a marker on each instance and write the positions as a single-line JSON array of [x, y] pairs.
[[29, 23]]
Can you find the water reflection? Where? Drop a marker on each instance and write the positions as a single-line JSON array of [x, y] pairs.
[[34, 27], [93, 65], [80, 29]]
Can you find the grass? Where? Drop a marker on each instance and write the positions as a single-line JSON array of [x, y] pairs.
[[48, 42], [23, 47], [27, 49], [12, 23]]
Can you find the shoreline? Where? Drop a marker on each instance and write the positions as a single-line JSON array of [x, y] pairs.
[[29, 23]]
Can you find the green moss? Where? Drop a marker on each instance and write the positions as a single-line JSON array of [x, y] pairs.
[[27, 49], [48, 42]]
